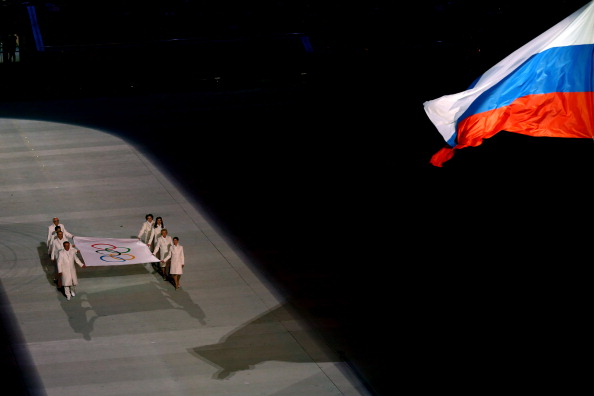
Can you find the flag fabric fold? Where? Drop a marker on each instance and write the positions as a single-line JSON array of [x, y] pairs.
[[113, 251], [545, 88]]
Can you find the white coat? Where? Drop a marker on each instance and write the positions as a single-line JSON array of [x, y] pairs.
[[57, 245], [163, 245], [155, 233], [176, 254], [51, 235], [51, 232], [145, 232], [66, 260]]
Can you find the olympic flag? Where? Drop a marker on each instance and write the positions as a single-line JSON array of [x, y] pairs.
[[113, 251], [545, 88]]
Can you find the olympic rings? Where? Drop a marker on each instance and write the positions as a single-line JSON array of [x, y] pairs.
[[110, 253]]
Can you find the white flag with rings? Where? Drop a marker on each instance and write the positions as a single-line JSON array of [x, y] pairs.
[[113, 251]]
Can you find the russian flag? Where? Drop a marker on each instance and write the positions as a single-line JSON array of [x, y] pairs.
[[544, 88]]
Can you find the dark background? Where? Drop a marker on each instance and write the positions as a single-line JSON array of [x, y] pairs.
[[462, 278]]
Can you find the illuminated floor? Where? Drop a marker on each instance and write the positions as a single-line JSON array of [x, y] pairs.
[[127, 332]]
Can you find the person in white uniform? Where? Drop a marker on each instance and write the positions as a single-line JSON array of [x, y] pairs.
[[53, 238], [67, 270], [51, 233], [144, 234], [163, 247], [176, 255], [57, 246], [156, 231]]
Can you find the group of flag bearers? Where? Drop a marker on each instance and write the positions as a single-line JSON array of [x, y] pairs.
[[64, 254], [170, 253], [64, 257]]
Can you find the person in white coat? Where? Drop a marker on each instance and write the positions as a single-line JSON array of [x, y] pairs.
[[156, 231], [51, 233], [144, 234], [51, 245], [66, 269], [176, 255], [57, 246], [163, 247]]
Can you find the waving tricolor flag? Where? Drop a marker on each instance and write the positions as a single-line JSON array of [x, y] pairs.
[[545, 88]]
